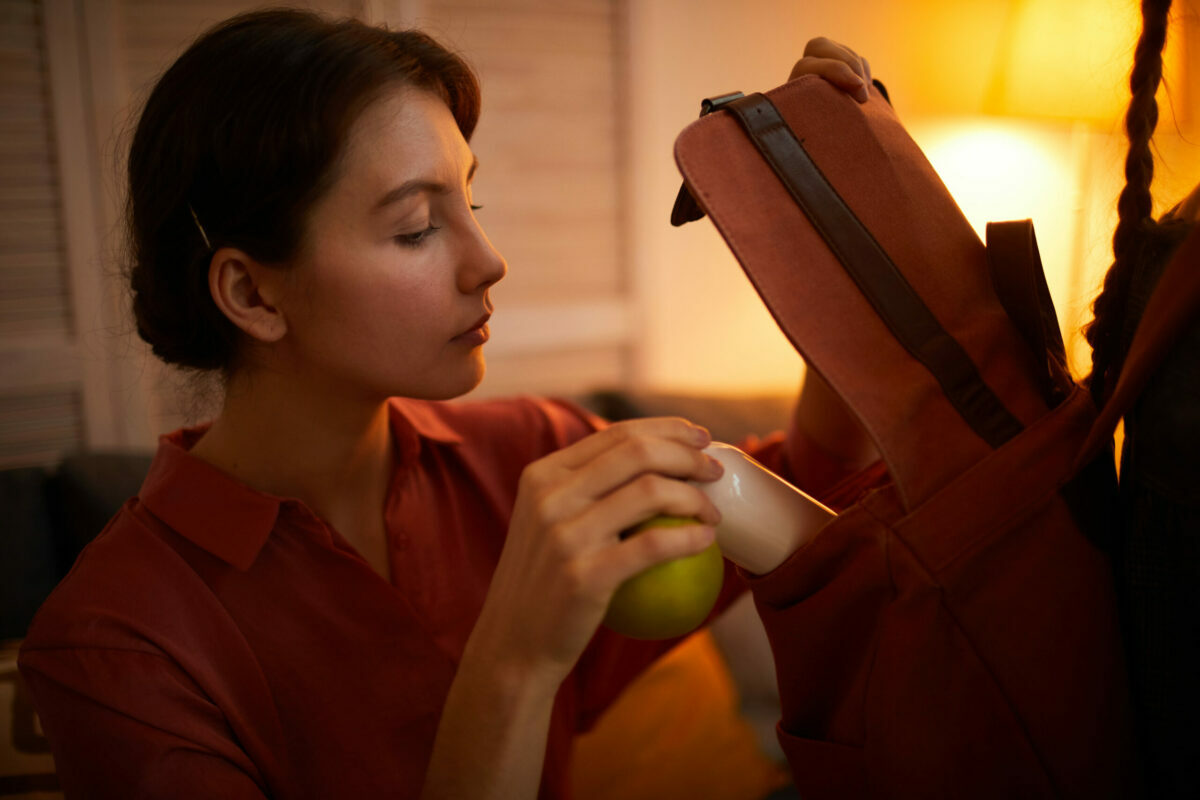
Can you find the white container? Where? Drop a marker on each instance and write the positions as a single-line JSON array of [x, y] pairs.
[[764, 519]]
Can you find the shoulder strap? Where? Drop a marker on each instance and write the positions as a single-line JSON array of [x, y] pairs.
[[1020, 283], [1174, 305], [893, 297]]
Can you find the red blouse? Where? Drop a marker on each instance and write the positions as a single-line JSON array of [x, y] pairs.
[[216, 641]]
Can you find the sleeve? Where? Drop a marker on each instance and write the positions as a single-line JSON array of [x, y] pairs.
[[568, 422], [525, 429], [131, 724]]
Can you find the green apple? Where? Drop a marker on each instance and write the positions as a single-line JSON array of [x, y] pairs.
[[668, 599]]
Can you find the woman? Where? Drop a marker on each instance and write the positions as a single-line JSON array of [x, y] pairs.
[[1158, 566], [339, 587]]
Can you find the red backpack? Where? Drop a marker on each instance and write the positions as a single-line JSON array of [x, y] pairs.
[[954, 633]]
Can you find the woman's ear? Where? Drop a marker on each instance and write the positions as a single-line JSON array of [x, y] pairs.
[[247, 292]]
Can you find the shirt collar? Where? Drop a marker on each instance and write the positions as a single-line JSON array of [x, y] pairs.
[[211, 509], [425, 418], [231, 520]]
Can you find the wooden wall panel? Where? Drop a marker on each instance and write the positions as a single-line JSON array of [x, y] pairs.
[[549, 144], [33, 287], [37, 428], [41, 415], [548, 140]]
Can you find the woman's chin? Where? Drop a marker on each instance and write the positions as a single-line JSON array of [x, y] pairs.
[[450, 386], [476, 369]]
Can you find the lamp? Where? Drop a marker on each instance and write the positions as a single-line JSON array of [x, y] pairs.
[[1069, 60]]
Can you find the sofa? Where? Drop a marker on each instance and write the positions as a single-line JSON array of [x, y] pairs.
[[49, 515]]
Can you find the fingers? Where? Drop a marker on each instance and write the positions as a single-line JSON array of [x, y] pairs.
[[837, 73], [585, 495], [837, 64], [645, 460], [570, 479], [612, 565], [635, 502], [622, 453], [822, 47], [591, 447], [627, 460]]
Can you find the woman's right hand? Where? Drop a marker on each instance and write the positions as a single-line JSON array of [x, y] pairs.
[[564, 557]]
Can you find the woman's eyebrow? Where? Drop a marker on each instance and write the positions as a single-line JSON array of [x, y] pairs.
[[420, 185]]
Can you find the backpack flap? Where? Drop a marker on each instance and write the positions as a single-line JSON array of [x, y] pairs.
[[879, 282]]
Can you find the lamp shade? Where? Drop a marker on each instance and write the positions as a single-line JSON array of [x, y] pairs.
[[1070, 59], [1065, 60]]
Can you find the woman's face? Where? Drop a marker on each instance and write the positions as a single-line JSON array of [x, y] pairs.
[[388, 292]]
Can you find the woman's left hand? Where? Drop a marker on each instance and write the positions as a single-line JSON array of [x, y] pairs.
[[836, 63]]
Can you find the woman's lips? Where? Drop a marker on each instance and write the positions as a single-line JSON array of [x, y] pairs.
[[477, 334]]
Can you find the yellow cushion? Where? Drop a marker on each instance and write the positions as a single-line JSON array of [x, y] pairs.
[[675, 732]]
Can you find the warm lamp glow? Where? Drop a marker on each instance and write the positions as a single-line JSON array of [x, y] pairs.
[[1069, 59], [1012, 169], [993, 171]]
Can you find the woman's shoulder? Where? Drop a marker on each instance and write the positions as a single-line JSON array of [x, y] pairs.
[[126, 583]]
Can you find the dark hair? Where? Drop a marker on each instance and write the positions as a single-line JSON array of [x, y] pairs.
[[1139, 239], [245, 130]]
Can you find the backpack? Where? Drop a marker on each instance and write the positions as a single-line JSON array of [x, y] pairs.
[[953, 633]]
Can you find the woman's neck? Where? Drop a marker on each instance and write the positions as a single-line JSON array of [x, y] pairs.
[[328, 450]]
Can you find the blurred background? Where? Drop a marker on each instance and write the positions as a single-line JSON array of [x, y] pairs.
[[1017, 103]]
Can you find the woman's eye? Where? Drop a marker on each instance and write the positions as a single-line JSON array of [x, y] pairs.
[[415, 239]]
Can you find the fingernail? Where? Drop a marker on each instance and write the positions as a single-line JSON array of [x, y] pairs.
[[714, 468], [701, 437]]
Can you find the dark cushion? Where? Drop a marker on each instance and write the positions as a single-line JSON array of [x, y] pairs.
[[49, 518], [86, 491], [28, 562]]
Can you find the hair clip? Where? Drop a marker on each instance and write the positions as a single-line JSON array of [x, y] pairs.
[[200, 227]]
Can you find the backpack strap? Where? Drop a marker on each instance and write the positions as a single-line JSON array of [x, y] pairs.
[[1173, 306], [881, 282], [1020, 283]]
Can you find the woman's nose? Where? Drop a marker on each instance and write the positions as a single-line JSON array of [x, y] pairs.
[[481, 265]]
